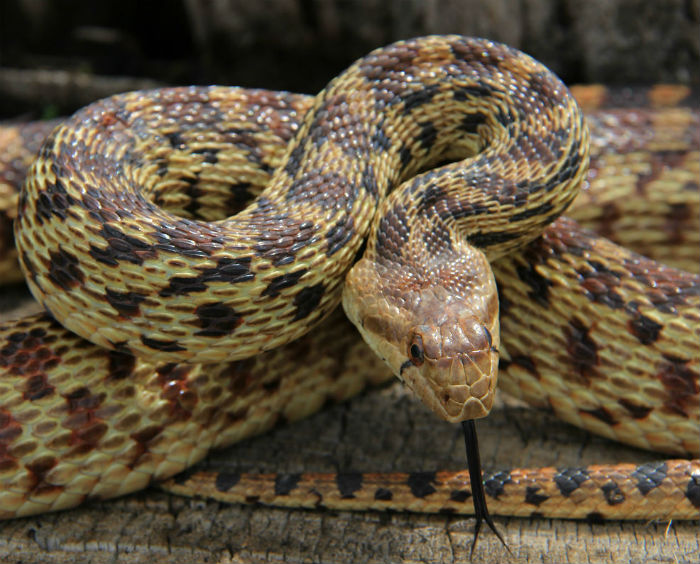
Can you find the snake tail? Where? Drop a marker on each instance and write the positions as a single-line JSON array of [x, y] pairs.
[[659, 490]]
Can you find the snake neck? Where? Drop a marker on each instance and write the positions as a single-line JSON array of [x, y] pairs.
[[423, 295], [434, 319]]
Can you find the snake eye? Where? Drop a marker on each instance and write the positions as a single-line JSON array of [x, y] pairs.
[[415, 351]]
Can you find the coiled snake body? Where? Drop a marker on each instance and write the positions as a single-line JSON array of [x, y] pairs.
[[81, 421]]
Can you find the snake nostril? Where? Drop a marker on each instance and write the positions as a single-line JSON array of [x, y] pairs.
[[488, 335]]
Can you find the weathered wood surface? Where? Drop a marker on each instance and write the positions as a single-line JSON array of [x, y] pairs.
[[383, 430]]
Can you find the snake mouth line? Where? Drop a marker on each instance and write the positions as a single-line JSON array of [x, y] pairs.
[[469, 392]]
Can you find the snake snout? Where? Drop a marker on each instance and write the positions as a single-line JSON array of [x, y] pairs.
[[454, 367]]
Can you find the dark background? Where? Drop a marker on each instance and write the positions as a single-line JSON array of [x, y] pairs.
[[58, 55]]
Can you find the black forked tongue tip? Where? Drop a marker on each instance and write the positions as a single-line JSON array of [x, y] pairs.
[[481, 510]]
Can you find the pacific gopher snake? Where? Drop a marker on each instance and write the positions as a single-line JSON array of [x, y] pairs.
[[564, 234]]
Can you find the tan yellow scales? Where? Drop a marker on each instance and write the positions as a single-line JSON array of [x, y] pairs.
[[604, 337]]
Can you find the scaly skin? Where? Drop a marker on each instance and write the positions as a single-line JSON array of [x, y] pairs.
[[39, 376]]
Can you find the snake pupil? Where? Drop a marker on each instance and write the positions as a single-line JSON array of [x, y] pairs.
[[416, 352]]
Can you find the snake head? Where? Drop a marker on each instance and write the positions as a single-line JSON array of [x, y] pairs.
[[438, 332]]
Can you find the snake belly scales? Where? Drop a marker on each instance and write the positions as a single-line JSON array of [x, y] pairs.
[[604, 337]]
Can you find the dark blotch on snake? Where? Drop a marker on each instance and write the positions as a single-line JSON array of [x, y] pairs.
[[635, 410], [427, 135], [53, 201], [119, 365], [307, 300], [36, 386], [279, 283], [484, 240], [40, 332], [602, 268], [121, 247], [281, 243], [145, 436], [348, 483], [692, 492], [285, 483], [600, 284], [39, 468], [217, 319], [419, 97], [181, 285], [460, 495], [226, 480], [294, 161], [600, 413], [230, 271], [680, 383], [339, 235], [504, 116], [534, 498], [193, 193], [438, 240], [539, 284], [494, 483], [82, 399], [157, 344], [64, 270], [463, 93], [29, 267], [582, 349], [272, 385], [126, 303], [612, 493], [369, 181], [383, 494], [184, 476], [175, 140], [421, 483], [405, 156], [542, 209], [393, 233], [431, 195], [646, 330], [650, 476], [239, 195], [568, 480], [525, 362], [471, 122], [328, 118], [380, 141], [209, 154]]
